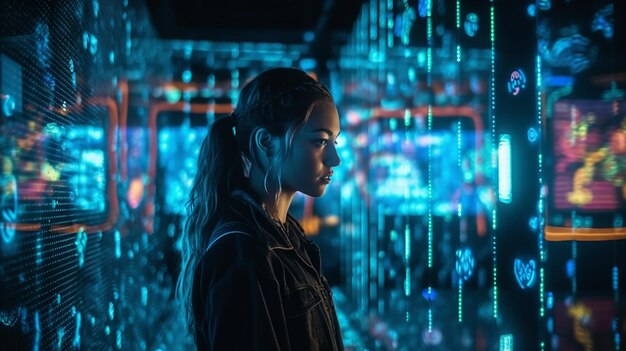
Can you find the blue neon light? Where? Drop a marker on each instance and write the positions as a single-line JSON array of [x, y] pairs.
[[532, 134], [603, 21], [570, 268], [525, 272], [550, 300], [429, 294], [186, 77], [558, 81], [8, 208], [81, 246], [464, 263], [504, 169], [506, 342], [471, 24], [544, 5], [533, 223]]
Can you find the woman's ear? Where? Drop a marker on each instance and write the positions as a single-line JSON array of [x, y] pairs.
[[266, 145], [263, 141]]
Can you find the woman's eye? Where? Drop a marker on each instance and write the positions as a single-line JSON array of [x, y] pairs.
[[322, 141]]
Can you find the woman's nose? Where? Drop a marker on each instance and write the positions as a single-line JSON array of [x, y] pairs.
[[332, 158]]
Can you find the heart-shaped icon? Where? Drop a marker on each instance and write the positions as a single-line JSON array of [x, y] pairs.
[[525, 272]]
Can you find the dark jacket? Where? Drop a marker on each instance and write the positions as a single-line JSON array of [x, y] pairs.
[[256, 289]]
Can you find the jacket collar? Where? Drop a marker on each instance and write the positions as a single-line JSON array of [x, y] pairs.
[[249, 207]]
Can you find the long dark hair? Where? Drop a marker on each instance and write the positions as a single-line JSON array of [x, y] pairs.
[[281, 100]]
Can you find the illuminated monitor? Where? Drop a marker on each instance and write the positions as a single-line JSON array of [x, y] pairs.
[[400, 152], [586, 158], [176, 132], [70, 186], [179, 137], [179, 141]]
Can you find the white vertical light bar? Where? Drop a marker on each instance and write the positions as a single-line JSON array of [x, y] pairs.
[[504, 169]]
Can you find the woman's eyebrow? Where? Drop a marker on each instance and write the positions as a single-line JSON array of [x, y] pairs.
[[327, 131]]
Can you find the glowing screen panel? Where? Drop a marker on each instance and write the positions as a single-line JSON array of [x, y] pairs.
[[400, 173], [67, 184], [181, 130], [402, 152], [179, 147], [85, 169], [587, 189]]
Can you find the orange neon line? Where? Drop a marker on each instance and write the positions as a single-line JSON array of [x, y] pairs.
[[584, 234]]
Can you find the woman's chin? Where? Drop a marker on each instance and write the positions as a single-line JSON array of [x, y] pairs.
[[316, 191]]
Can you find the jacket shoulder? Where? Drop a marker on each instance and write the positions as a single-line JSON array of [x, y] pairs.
[[234, 239]]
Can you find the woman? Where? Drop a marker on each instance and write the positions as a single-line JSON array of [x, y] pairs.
[[250, 278]]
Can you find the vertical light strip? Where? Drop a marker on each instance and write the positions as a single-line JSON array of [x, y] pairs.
[[616, 327], [382, 35], [430, 190], [381, 268], [541, 293], [390, 23], [495, 277], [458, 29], [354, 245], [459, 149], [373, 259], [492, 112], [364, 262], [458, 14], [429, 33], [542, 256], [407, 258], [458, 142], [382, 15], [373, 22], [574, 256], [616, 282], [541, 198], [430, 320], [458, 145], [458, 161], [460, 302]]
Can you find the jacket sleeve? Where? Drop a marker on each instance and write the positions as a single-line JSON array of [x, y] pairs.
[[242, 307]]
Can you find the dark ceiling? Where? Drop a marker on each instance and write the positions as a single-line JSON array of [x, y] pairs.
[[279, 21]]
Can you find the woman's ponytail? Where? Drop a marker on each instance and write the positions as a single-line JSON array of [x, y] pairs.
[[220, 170]]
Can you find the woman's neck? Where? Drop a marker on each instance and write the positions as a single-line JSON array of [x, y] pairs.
[[276, 210]]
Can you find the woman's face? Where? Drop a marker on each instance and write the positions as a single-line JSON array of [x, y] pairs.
[[314, 152]]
